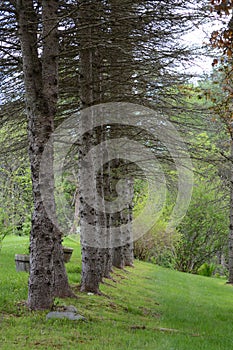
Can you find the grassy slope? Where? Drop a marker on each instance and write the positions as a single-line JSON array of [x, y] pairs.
[[148, 308]]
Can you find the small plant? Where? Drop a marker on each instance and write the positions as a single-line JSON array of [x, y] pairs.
[[4, 228], [2, 236], [206, 269]]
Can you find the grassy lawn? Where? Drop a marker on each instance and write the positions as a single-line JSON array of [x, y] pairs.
[[148, 307]]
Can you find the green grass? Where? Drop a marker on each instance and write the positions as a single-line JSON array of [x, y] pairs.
[[147, 308]]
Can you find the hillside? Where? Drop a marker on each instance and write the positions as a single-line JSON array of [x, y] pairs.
[[146, 307]]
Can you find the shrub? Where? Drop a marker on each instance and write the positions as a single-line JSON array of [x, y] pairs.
[[206, 269], [2, 236], [204, 228], [5, 228], [157, 246]]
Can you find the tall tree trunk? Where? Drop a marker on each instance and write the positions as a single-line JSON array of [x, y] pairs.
[[120, 73], [89, 220], [117, 235], [128, 244], [50, 55], [41, 85], [107, 266], [230, 241], [97, 62]]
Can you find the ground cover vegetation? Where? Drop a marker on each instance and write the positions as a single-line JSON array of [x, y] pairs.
[[147, 307]]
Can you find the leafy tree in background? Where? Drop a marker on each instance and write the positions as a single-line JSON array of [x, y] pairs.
[[202, 234], [203, 229], [16, 193]]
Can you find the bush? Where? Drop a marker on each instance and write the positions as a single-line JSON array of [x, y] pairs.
[[157, 246], [5, 228], [206, 269], [2, 236], [204, 228]]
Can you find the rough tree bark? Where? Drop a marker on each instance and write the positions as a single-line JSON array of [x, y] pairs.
[[120, 72], [47, 272], [89, 92], [98, 61], [230, 240], [128, 213], [117, 235]]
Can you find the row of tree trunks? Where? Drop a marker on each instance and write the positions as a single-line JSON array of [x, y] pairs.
[[120, 73], [40, 65], [103, 231]]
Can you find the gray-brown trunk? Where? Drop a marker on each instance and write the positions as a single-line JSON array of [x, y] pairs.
[[116, 220], [118, 257], [61, 287], [230, 241], [90, 93], [128, 246], [41, 85]]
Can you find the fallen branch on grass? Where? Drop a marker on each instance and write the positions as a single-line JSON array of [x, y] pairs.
[[162, 329]]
